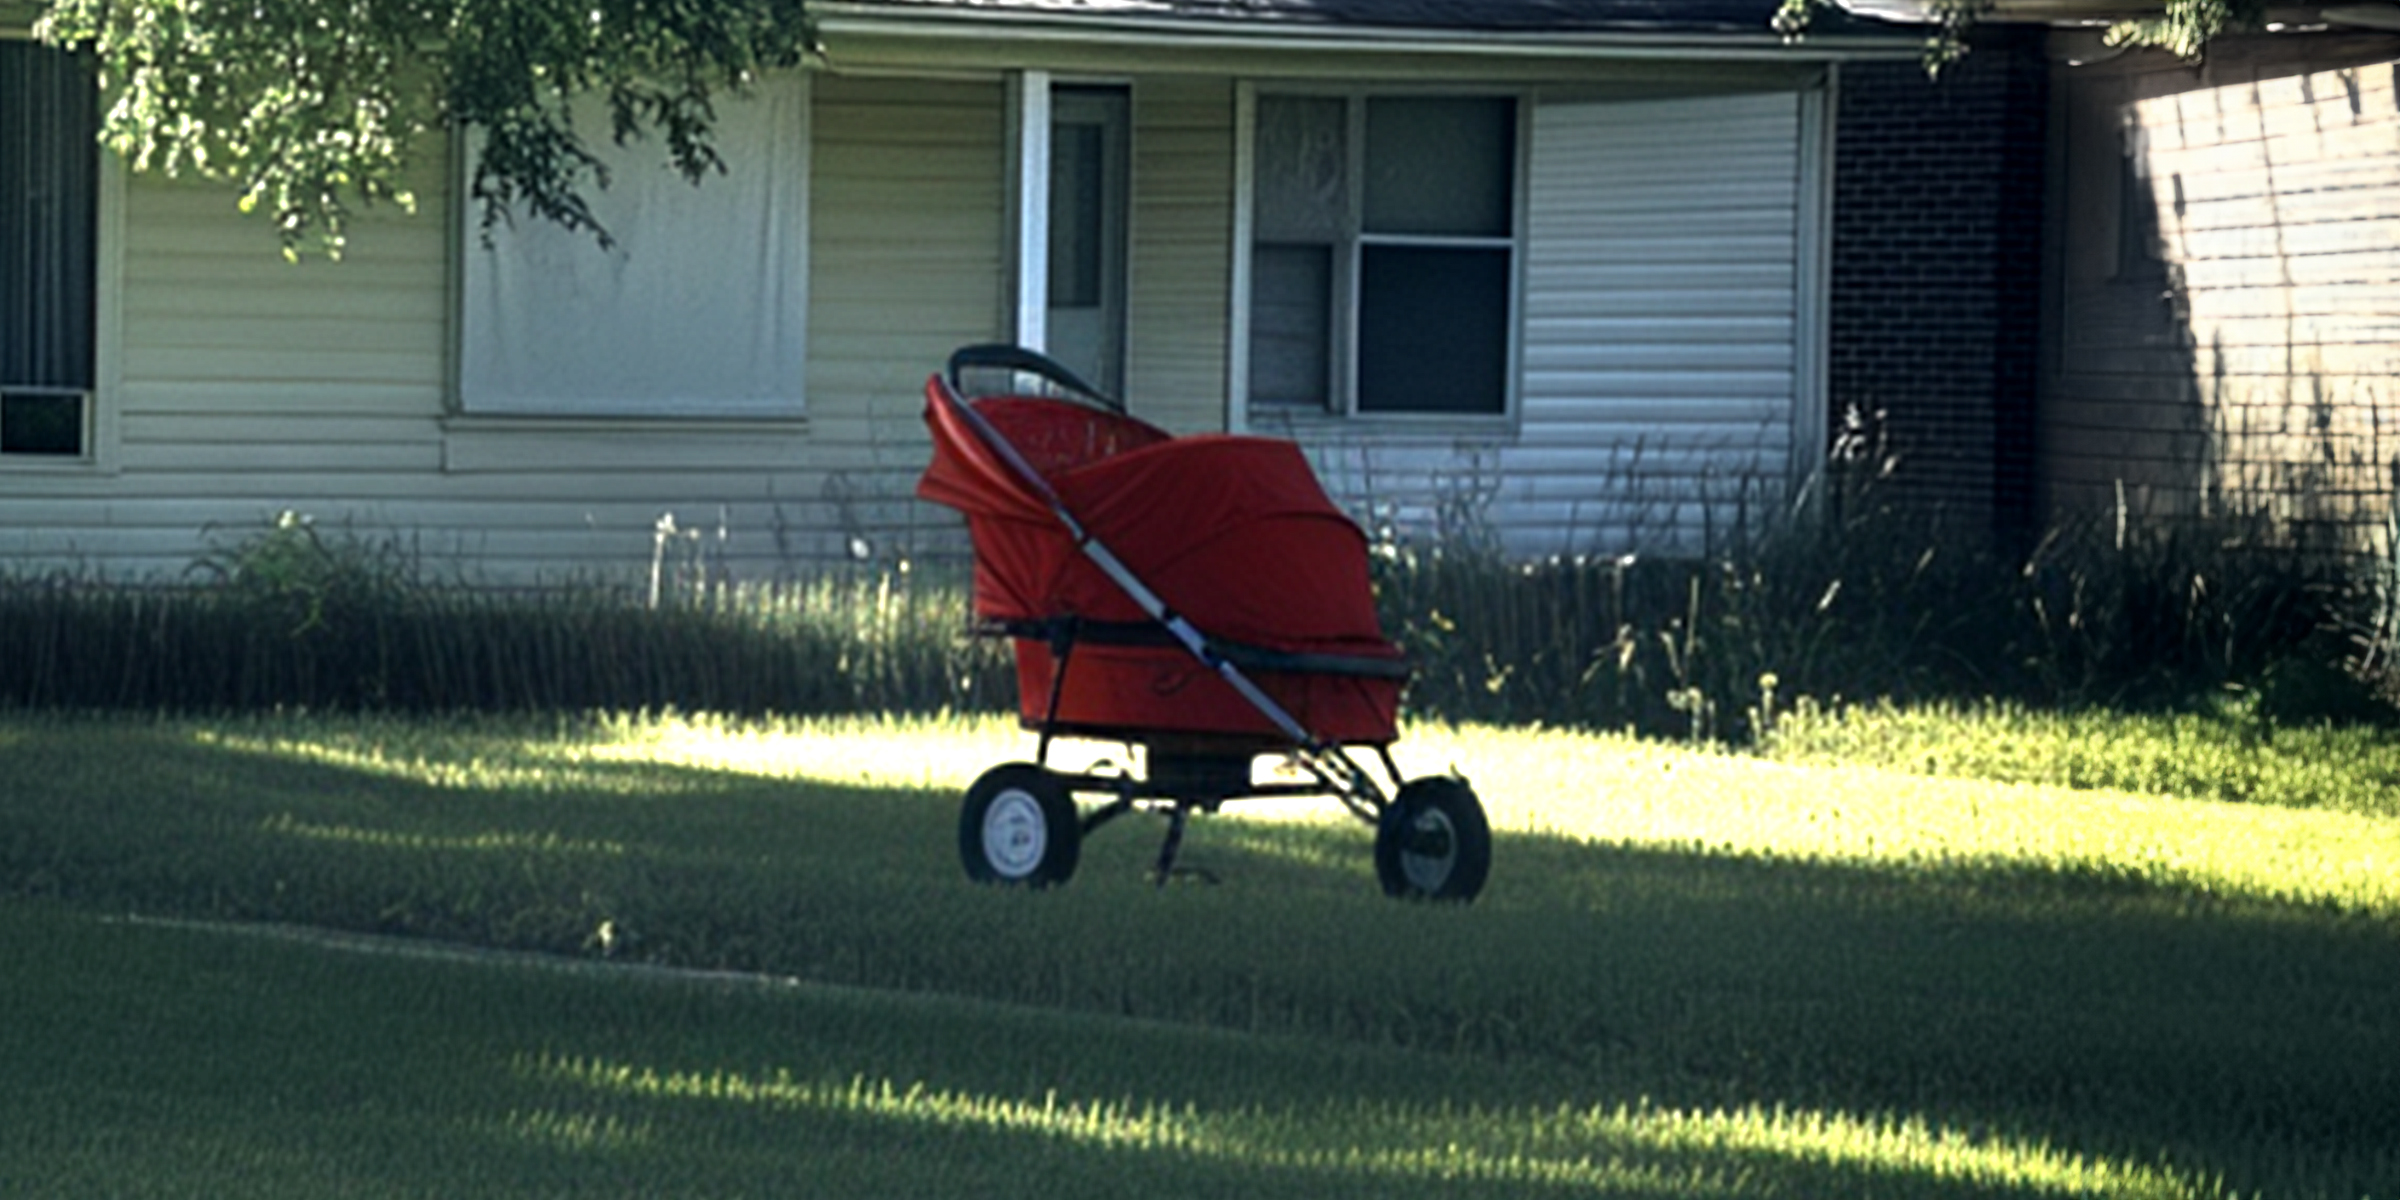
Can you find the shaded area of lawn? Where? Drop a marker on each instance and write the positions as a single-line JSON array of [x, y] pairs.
[[155, 1060], [2104, 1013]]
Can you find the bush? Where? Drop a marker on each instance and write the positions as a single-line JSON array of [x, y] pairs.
[[1883, 605], [1873, 605], [294, 617]]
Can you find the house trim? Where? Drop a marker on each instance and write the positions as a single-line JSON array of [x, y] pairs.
[[107, 397], [1812, 324], [1029, 92], [849, 27]]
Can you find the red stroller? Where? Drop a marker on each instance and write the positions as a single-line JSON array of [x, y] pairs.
[[1198, 597]]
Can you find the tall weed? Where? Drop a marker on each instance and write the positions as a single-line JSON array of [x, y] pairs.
[[1864, 601], [296, 617]]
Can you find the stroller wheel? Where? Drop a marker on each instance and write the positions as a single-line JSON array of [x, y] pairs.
[[1019, 826], [1433, 842]]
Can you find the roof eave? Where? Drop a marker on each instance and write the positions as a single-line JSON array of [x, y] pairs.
[[837, 19]]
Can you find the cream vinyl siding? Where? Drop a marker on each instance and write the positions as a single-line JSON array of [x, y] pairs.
[[239, 384], [248, 386], [1661, 326], [905, 228], [1182, 225]]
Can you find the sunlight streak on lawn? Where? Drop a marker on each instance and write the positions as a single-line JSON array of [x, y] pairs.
[[1746, 1151], [1619, 790], [493, 840], [1598, 789]]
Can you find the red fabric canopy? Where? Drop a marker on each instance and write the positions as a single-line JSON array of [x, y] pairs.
[[1232, 532]]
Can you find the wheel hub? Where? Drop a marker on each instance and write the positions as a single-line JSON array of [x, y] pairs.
[[1431, 851], [1015, 834]]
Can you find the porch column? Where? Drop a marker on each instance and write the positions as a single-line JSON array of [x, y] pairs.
[[1033, 210]]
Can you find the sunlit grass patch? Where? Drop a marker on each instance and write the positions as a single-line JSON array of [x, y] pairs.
[[1626, 791], [1604, 1148], [2230, 753], [493, 841]]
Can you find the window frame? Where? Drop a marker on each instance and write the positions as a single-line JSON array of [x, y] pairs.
[[477, 394], [97, 436], [1347, 254]]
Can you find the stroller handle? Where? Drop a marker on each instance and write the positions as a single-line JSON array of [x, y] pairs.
[[1003, 356]]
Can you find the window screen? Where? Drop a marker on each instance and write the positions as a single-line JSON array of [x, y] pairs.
[[49, 204]]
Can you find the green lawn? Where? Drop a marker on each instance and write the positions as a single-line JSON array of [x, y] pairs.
[[1693, 974]]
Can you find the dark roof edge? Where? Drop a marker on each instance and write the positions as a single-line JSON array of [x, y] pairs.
[[835, 17]]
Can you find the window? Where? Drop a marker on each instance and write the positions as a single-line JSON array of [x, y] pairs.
[[49, 227], [1384, 259], [699, 310], [1090, 139]]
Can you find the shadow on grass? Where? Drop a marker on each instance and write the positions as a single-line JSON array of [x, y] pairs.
[[2090, 1012]]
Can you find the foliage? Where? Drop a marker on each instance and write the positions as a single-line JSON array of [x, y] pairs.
[[293, 616], [1870, 603], [1749, 978], [2181, 27], [312, 106], [1876, 601], [2234, 752]]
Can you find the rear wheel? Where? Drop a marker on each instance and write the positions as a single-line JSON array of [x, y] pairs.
[[1433, 843], [1019, 826]]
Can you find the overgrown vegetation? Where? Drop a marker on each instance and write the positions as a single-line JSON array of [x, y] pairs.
[[1885, 607], [1869, 604], [294, 616]]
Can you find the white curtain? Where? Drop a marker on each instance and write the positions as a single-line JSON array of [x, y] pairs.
[[700, 309]]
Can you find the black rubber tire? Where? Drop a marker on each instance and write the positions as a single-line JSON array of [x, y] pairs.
[[1019, 828], [1433, 842]]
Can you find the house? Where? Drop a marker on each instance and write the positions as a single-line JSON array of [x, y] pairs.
[[1552, 270], [2211, 325], [2226, 258]]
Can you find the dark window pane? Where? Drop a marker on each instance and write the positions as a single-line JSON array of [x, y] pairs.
[[1078, 199], [41, 425], [1433, 330], [1291, 324], [49, 187], [1301, 168], [1442, 165]]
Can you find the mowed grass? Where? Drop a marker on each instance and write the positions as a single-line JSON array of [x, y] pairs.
[[1694, 974]]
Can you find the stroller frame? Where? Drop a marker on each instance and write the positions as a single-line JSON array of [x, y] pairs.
[[1021, 824]]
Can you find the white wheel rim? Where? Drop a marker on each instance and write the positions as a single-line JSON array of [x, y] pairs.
[[1015, 833], [1428, 872]]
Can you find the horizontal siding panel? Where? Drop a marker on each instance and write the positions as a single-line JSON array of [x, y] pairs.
[[273, 398], [1577, 329], [1702, 277], [233, 363], [665, 449], [1660, 304], [270, 459], [319, 428], [1628, 247], [1180, 275]]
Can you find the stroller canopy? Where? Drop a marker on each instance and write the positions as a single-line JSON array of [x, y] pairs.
[[1233, 532]]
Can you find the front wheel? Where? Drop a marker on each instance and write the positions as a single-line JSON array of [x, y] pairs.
[[1433, 843], [1019, 826]]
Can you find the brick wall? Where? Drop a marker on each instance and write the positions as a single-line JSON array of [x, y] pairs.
[[1936, 269]]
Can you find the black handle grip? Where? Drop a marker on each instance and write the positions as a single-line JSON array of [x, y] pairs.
[[1003, 356]]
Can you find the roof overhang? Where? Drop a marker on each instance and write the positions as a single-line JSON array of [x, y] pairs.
[[2352, 14], [882, 33]]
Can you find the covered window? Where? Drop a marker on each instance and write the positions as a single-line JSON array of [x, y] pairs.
[[1384, 257], [699, 310], [49, 223]]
